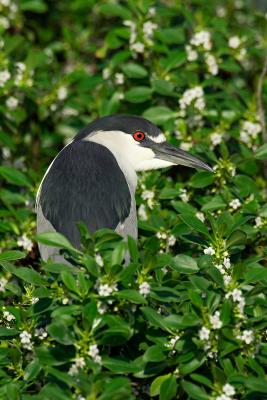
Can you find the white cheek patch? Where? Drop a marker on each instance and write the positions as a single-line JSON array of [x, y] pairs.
[[129, 154], [157, 139]]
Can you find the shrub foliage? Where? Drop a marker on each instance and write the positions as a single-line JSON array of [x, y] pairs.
[[187, 317]]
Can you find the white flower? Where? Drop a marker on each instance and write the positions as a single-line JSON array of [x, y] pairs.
[[35, 300], [223, 397], [25, 337], [215, 321], [73, 370], [101, 307], [62, 93], [152, 11], [25, 243], [69, 112], [171, 240], [212, 64], [138, 47], [221, 11], [99, 259], [20, 66], [185, 146], [106, 73], [105, 290], [237, 295], [173, 341], [227, 262], [200, 216], [216, 138], [3, 283], [234, 42], [5, 3], [8, 316], [4, 77], [65, 300], [235, 204], [144, 289], [148, 29], [210, 251], [142, 212], [201, 38], [258, 222], [220, 268], [227, 279], [247, 336], [249, 130], [93, 350], [40, 333], [94, 353], [193, 95], [184, 195], [204, 333], [228, 389], [4, 22], [119, 78], [12, 103], [149, 196], [191, 53], [78, 363]]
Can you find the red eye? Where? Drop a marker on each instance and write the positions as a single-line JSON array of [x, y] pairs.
[[139, 136]]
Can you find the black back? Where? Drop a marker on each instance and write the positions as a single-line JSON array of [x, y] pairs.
[[85, 184]]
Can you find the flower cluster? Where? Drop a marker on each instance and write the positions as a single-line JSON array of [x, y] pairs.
[[144, 289], [166, 240], [249, 132], [93, 352], [138, 40], [238, 298], [25, 339], [201, 41], [193, 96], [79, 363], [227, 392], [148, 195], [106, 290], [25, 243]]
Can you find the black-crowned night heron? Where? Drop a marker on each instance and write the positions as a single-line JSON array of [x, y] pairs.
[[93, 179]]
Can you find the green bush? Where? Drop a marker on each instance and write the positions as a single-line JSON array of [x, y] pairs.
[[187, 317]]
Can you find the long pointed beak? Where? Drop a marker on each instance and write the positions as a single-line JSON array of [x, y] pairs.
[[168, 152]]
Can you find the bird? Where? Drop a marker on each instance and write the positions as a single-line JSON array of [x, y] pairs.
[[93, 179]]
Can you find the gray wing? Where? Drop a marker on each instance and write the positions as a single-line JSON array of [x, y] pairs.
[[84, 183]]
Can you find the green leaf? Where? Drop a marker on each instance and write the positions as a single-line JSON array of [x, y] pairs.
[[255, 274], [261, 152], [14, 176], [119, 366], [55, 239], [154, 354], [236, 238], [168, 388], [134, 70], [156, 384], [166, 88], [32, 370], [61, 333], [70, 282], [11, 255], [202, 179], [194, 391], [138, 94], [184, 264], [159, 115], [117, 10], [132, 295], [195, 224]]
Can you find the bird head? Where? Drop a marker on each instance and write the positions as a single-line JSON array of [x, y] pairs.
[[139, 142]]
